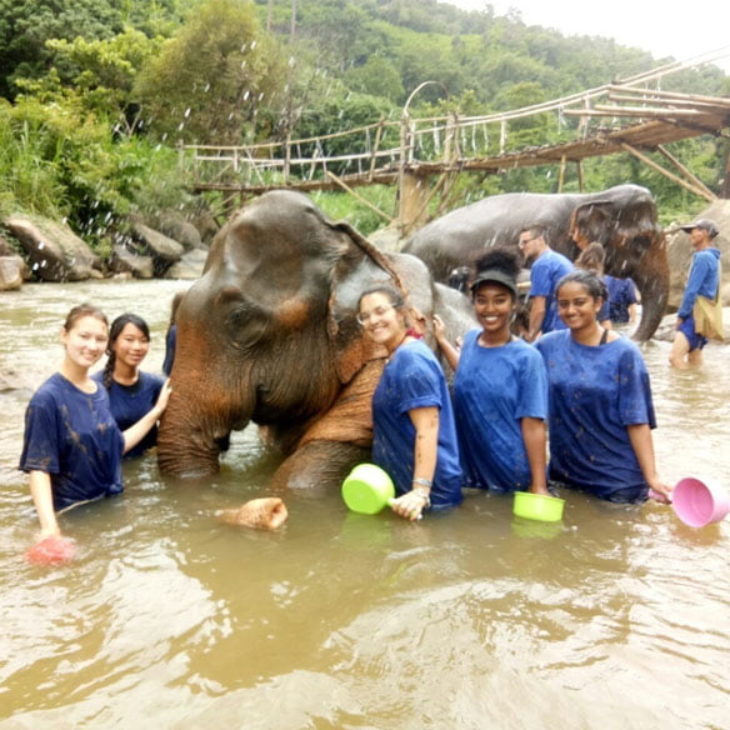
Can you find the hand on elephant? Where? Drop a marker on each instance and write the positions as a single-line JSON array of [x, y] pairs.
[[265, 513]]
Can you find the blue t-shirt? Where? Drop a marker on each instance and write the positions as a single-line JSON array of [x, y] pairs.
[[494, 388], [414, 379], [130, 402], [170, 342], [621, 295], [547, 270], [703, 279], [594, 394], [72, 436]]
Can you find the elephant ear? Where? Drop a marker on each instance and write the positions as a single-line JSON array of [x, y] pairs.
[[359, 266], [594, 221]]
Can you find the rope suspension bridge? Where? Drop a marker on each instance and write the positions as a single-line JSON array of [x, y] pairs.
[[626, 116]]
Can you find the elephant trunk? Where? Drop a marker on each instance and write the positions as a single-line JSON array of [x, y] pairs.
[[653, 283], [185, 443]]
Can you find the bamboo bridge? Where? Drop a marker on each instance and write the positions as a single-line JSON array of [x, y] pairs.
[[626, 116]]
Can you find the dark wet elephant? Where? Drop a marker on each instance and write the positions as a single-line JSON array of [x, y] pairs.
[[622, 218], [268, 334]]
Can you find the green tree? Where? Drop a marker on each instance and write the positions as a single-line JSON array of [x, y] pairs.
[[211, 80]]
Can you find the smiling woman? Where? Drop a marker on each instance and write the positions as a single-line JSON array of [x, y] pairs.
[[500, 388], [73, 447], [132, 393], [601, 408], [414, 435]]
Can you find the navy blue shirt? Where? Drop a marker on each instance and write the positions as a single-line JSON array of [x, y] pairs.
[[594, 394], [414, 379], [73, 436], [129, 403], [494, 389], [547, 270], [621, 295]]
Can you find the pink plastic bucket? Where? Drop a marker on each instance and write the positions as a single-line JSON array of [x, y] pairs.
[[699, 503]]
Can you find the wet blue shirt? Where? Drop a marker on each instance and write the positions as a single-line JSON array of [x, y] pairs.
[[594, 394], [547, 270], [414, 379], [703, 279], [130, 402], [494, 389], [621, 295], [73, 436]]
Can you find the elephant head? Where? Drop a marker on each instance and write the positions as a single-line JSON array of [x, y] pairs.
[[624, 220], [268, 333]]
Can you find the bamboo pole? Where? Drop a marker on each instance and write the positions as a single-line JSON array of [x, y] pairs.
[[561, 174], [359, 197], [579, 165], [373, 156], [685, 171], [648, 161]]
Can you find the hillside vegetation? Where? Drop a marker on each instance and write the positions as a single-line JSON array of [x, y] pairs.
[[96, 94]]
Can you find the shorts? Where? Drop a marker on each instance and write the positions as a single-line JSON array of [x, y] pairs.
[[687, 328]]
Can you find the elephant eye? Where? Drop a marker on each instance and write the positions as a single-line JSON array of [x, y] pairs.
[[246, 324]]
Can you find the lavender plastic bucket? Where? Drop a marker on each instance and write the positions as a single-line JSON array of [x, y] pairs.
[[699, 503]]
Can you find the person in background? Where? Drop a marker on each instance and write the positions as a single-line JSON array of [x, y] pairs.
[[548, 267], [132, 392], [500, 386], [592, 258], [622, 299], [414, 435], [72, 446], [600, 402], [171, 335], [704, 279]]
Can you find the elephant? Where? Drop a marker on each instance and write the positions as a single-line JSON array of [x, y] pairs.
[[269, 335], [622, 218]]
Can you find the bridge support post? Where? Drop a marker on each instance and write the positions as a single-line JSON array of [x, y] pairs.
[[412, 202]]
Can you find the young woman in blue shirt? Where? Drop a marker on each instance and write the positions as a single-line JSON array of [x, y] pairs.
[[500, 386], [132, 392], [601, 410], [414, 436], [72, 447]]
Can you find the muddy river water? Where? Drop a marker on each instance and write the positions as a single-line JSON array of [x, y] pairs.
[[616, 617]]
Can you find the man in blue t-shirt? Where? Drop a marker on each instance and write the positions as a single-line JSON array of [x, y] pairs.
[[548, 267], [704, 280]]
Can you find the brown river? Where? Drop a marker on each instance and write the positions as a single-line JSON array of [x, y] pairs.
[[616, 617]]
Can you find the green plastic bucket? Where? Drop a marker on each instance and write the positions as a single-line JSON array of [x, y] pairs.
[[541, 507], [367, 489]]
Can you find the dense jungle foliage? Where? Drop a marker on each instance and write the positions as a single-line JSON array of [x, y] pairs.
[[95, 95]]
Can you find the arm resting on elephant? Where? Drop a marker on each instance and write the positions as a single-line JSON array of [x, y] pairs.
[[134, 434], [537, 317], [450, 352], [426, 422]]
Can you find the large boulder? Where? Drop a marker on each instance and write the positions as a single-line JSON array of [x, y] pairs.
[[190, 265], [53, 250], [174, 225], [11, 272], [126, 261], [679, 253], [160, 246]]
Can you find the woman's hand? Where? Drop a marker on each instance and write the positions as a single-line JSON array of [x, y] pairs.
[[439, 328], [163, 398], [660, 492], [410, 506]]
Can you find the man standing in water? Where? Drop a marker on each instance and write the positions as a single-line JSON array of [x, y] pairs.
[[548, 267], [704, 280]]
